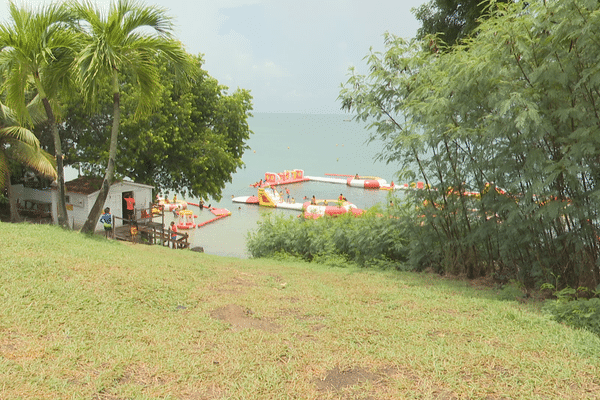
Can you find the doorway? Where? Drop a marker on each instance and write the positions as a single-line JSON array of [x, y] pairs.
[[128, 206]]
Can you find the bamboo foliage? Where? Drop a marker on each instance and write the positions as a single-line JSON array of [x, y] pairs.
[[512, 115]]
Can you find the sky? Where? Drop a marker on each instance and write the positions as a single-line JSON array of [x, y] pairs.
[[292, 55]]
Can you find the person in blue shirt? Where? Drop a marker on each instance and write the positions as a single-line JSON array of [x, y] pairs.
[[106, 220]]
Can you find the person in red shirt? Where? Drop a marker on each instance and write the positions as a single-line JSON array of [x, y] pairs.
[[130, 206], [174, 234]]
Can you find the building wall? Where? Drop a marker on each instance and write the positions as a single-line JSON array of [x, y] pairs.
[[21, 193], [141, 193], [77, 209], [79, 205]]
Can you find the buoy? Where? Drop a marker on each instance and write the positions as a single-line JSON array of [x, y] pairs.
[[288, 147]]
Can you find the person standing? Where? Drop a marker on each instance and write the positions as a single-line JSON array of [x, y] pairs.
[[287, 191], [106, 220], [173, 230], [130, 207]]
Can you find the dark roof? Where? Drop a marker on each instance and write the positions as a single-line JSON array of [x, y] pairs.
[[85, 185]]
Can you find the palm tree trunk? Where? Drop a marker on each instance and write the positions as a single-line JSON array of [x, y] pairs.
[[60, 170], [96, 211], [12, 203], [63, 220]]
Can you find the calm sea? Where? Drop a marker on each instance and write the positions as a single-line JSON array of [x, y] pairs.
[[316, 143]]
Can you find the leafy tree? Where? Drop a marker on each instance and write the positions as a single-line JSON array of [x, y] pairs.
[[453, 19], [20, 145], [192, 146], [196, 143], [37, 46], [123, 44], [504, 131]]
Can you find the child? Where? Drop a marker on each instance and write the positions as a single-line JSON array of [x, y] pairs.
[[106, 220], [174, 234], [133, 230]]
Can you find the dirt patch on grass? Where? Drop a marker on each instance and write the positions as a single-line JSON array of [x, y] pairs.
[[362, 383], [242, 318], [338, 379]]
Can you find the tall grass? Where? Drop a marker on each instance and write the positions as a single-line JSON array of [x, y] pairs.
[[88, 318]]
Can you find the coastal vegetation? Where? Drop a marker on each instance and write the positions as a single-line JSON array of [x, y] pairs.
[[97, 73], [502, 128], [84, 318]]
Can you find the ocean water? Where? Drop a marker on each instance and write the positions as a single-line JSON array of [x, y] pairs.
[[319, 144]]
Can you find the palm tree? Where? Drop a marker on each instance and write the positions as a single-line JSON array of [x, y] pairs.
[[21, 145], [36, 48], [124, 42]]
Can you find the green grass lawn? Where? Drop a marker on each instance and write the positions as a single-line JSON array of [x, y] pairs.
[[90, 318]]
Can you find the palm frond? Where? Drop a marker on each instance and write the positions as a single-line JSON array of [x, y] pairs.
[[139, 16], [15, 89], [36, 111], [34, 158], [35, 42], [20, 134], [128, 38]]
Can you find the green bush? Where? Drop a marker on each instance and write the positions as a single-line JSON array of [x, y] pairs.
[[580, 313], [512, 291], [376, 239]]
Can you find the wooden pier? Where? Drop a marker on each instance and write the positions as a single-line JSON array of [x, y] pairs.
[[144, 229]]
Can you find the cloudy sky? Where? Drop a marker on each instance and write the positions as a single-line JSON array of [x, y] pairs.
[[291, 55]]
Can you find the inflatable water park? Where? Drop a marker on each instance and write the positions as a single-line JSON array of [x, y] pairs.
[[186, 217], [268, 195]]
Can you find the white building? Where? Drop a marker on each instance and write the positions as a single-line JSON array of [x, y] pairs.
[[81, 194]]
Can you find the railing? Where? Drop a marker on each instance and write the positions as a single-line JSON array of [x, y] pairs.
[[143, 229]]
